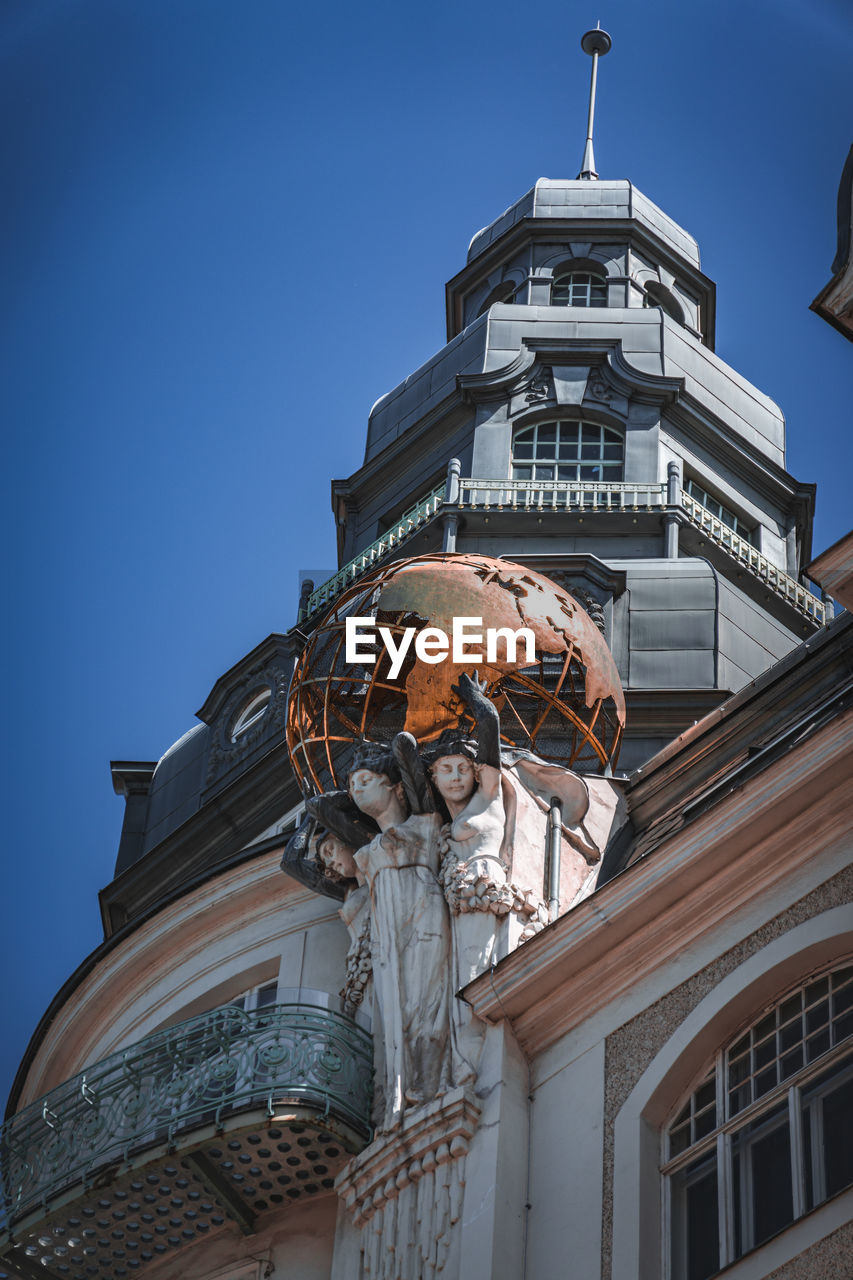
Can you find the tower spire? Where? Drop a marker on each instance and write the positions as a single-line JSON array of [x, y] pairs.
[[594, 43]]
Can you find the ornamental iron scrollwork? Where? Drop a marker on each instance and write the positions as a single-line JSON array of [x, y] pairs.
[[196, 1073]]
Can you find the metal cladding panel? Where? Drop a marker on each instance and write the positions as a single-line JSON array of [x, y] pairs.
[[747, 651], [671, 584], [756, 418], [401, 408], [731, 676], [673, 628], [522, 208], [739, 613], [582, 200], [672, 669], [176, 786]]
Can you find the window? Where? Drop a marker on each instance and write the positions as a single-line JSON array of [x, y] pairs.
[[768, 1134], [716, 508], [251, 713], [503, 293], [570, 451], [257, 998], [579, 289], [657, 295]]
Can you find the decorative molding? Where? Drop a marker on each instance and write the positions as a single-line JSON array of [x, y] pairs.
[[405, 1190], [693, 882], [225, 754]]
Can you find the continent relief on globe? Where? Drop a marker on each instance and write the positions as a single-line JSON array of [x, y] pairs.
[[503, 594]]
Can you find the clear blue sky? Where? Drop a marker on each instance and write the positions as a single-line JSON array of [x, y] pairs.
[[226, 228]]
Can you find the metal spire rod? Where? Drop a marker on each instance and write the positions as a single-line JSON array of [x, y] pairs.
[[594, 43]]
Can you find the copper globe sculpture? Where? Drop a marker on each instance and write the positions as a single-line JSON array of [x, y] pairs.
[[567, 706]]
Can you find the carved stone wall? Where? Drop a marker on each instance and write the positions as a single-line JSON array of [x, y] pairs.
[[405, 1191]]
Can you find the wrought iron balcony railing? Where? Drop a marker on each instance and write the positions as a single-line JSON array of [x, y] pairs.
[[177, 1081], [751, 558]]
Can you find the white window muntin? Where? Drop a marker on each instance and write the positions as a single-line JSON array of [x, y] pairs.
[[790, 1110], [569, 450], [579, 289]]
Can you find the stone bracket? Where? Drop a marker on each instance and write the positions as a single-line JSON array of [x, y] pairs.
[[431, 1135]]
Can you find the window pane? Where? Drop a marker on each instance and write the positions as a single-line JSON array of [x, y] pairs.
[[567, 473], [547, 431], [816, 1045], [828, 1133], [544, 473], [521, 473], [817, 1016], [523, 449], [695, 1221], [761, 1176], [546, 450]]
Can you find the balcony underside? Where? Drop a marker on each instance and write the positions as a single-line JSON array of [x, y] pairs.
[[128, 1216], [202, 1128]]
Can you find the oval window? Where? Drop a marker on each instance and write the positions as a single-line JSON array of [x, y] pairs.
[[251, 713]]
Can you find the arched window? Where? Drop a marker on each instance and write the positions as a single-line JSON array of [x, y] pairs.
[[504, 292], [657, 295], [767, 1135], [567, 451], [579, 289]]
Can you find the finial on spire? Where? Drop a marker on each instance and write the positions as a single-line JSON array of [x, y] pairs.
[[594, 43]]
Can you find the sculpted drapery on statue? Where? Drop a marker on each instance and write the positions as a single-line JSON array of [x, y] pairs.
[[438, 846]]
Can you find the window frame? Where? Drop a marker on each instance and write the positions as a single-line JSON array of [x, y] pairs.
[[717, 1145], [566, 277], [607, 466], [252, 711]]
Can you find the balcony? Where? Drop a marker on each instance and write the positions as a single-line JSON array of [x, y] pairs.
[[750, 557], [584, 499], [199, 1127]]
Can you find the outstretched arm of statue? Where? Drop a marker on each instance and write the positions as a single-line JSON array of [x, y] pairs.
[[335, 811], [472, 691], [416, 784]]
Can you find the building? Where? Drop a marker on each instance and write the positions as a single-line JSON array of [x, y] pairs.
[[664, 1086]]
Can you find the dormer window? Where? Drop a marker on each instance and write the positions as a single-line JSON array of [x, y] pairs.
[[579, 289], [503, 293], [657, 295], [251, 713]]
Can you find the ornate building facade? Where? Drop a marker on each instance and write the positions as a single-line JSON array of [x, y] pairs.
[[619, 1044]]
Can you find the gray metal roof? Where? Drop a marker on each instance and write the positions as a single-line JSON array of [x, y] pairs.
[[582, 199]]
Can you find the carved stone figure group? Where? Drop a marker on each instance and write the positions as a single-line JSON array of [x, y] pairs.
[[421, 847]]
